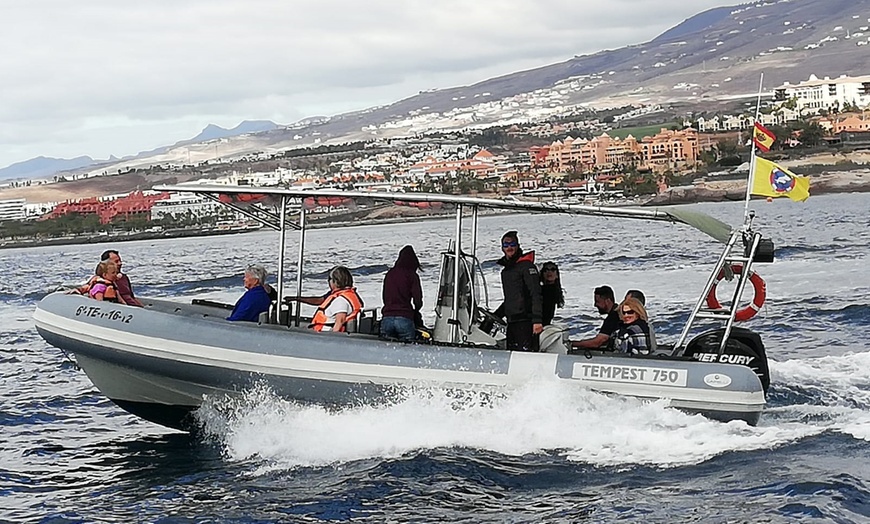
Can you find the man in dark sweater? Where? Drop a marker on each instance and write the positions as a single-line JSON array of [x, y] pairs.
[[522, 306]]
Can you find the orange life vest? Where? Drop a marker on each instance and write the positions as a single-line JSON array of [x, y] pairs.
[[111, 293], [320, 320]]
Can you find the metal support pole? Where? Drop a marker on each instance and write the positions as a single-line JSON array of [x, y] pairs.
[[282, 221], [474, 231], [299, 262], [454, 316]]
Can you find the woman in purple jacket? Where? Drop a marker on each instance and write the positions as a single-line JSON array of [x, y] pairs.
[[403, 298]]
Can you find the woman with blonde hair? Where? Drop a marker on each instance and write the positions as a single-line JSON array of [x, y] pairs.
[[633, 336]]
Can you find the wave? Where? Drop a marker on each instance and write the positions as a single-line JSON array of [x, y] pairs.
[[544, 417]]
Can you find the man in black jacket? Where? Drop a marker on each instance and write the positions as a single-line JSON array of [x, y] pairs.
[[522, 306]]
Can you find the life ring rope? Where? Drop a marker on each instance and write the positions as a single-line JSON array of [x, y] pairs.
[[758, 285]]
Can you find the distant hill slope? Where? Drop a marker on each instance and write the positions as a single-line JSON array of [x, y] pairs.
[[212, 131], [696, 23], [43, 166], [715, 54]]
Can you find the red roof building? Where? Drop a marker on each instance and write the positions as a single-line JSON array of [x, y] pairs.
[[135, 204]]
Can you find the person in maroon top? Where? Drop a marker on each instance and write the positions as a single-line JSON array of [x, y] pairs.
[[403, 298], [122, 281]]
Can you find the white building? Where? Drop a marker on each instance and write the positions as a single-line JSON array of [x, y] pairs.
[[827, 93], [12, 209], [34, 211], [180, 205]]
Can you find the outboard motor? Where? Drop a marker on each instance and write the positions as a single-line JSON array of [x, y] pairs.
[[744, 347]]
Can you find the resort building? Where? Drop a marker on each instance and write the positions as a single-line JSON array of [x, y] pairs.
[[829, 94], [184, 205], [134, 205], [845, 123], [667, 150], [482, 165], [12, 209]]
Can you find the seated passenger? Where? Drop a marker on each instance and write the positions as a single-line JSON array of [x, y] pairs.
[[342, 305], [102, 285], [638, 294], [632, 337], [605, 303], [255, 300]]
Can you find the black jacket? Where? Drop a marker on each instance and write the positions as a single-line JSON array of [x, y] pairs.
[[522, 289]]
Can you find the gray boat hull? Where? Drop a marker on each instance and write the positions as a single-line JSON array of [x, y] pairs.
[[161, 361]]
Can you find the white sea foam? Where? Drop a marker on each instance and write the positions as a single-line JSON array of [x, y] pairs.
[[840, 385], [545, 417]]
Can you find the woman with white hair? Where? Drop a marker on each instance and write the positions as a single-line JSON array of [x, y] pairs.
[[256, 299]]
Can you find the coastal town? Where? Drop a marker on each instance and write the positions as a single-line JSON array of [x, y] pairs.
[[622, 155]]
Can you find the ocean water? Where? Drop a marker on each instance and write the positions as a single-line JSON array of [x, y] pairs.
[[540, 454]]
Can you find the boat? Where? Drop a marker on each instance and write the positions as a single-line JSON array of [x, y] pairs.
[[160, 362]]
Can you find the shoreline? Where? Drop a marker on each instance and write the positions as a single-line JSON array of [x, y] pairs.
[[704, 190]]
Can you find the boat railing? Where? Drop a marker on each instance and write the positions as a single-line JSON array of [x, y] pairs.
[[741, 251]]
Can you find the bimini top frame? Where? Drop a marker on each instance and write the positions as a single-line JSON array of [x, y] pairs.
[[240, 198]]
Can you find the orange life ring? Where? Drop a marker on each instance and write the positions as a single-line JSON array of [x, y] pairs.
[[757, 301]]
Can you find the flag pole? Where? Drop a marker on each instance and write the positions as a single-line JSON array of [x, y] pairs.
[[751, 179]]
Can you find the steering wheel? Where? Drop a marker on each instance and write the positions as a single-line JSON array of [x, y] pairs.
[[491, 317]]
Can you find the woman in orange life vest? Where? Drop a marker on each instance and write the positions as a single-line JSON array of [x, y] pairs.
[[102, 286], [342, 305]]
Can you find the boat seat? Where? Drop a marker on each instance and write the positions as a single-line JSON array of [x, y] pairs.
[[271, 316], [365, 322]]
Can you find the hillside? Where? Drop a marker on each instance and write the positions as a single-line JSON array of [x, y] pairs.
[[715, 55]]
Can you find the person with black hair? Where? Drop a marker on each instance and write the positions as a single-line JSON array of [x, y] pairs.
[[522, 306], [606, 305], [403, 298], [552, 294]]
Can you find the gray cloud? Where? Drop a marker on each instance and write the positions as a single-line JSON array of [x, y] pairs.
[[104, 77]]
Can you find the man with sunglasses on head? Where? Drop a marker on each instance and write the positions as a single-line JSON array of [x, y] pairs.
[[522, 306], [605, 303]]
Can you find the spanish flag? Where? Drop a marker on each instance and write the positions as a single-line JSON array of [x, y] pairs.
[[762, 137], [772, 180]]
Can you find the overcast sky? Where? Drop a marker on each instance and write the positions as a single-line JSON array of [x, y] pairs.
[[118, 77]]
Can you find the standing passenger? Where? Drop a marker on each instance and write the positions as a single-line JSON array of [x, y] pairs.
[[522, 306], [401, 288], [552, 294]]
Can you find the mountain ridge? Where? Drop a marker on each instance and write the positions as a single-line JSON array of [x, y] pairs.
[[715, 54]]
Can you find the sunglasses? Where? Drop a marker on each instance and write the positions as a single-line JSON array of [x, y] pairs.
[[628, 312], [509, 244]]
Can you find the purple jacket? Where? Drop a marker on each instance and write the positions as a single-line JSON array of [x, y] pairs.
[[402, 286]]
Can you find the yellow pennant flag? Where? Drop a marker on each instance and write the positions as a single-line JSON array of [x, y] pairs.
[[774, 181]]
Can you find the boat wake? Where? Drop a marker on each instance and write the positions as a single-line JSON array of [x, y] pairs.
[[542, 418], [831, 393]]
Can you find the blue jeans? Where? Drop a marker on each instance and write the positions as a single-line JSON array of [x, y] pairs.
[[400, 328]]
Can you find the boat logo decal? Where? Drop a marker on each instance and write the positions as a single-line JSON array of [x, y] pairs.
[[717, 380], [743, 360], [632, 374], [98, 312]]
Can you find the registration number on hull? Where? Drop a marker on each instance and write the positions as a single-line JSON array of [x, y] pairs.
[[630, 374]]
